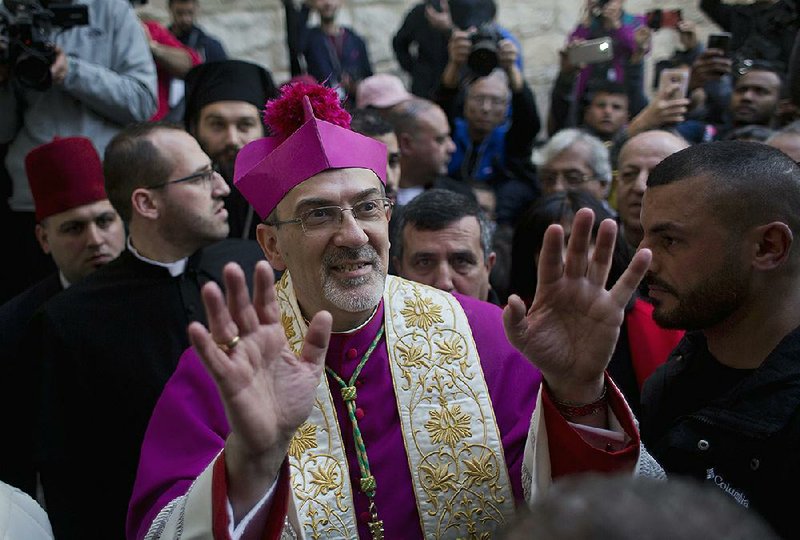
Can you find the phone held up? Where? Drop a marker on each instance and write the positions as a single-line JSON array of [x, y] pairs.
[[720, 41], [593, 51], [663, 18], [667, 80]]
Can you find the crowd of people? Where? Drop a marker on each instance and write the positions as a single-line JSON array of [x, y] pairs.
[[464, 304]]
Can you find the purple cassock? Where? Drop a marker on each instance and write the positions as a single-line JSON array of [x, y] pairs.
[[188, 427]]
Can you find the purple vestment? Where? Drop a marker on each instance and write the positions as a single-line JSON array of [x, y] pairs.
[[188, 427]]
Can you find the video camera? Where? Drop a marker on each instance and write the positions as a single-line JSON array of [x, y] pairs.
[[26, 33], [483, 56]]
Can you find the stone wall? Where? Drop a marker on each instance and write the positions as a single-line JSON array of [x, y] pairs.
[[254, 30]]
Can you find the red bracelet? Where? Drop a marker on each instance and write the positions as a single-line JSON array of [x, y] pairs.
[[570, 409]]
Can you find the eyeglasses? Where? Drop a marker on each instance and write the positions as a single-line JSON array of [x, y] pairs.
[[571, 178], [205, 176], [330, 218], [493, 101]]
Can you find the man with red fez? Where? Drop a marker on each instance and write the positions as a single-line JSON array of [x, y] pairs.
[[79, 228], [102, 78], [111, 341], [346, 403]]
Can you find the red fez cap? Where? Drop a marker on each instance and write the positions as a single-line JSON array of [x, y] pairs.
[[64, 174]]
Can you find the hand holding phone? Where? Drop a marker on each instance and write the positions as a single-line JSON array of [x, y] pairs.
[[720, 41], [673, 83], [593, 51]]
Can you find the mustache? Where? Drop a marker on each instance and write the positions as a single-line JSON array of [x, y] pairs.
[[226, 155], [650, 280], [343, 255]]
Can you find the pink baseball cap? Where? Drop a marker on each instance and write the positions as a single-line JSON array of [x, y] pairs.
[[381, 91]]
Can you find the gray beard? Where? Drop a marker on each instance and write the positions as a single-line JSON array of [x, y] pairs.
[[348, 295]]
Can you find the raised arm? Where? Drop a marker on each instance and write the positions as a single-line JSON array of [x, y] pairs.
[[267, 391], [572, 326]]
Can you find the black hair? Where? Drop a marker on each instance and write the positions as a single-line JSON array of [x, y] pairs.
[[132, 161], [434, 210], [747, 183]]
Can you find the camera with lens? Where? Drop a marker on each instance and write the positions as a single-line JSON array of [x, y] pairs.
[[26, 37], [483, 55]]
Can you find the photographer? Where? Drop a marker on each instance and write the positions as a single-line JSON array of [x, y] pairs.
[[103, 77], [420, 43], [630, 41], [330, 52], [495, 127]]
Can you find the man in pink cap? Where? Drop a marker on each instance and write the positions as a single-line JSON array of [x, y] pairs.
[[343, 402], [381, 91], [79, 228]]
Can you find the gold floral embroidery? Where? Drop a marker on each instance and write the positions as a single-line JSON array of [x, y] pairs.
[[288, 327], [448, 425], [421, 312], [305, 438], [454, 449], [450, 350], [412, 356], [472, 516], [325, 478], [438, 477], [479, 470]]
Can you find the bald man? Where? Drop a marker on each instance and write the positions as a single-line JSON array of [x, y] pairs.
[[637, 158], [787, 140]]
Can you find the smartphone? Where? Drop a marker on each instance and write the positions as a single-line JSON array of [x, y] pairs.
[[593, 51], [668, 78], [721, 41], [663, 18]]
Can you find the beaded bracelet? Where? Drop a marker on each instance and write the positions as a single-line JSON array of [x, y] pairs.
[[570, 409]]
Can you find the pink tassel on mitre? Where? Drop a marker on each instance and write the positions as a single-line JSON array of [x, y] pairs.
[[285, 114]]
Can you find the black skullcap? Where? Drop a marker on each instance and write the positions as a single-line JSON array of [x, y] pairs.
[[226, 80]]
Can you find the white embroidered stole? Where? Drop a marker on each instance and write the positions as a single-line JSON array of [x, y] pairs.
[[450, 433], [323, 496], [452, 440]]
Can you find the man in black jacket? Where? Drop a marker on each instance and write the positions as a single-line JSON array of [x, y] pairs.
[[81, 231], [494, 123], [110, 342], [726, 268], [183, 13]]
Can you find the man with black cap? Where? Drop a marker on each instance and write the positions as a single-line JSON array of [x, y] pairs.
[[77, 226], [223, 107]]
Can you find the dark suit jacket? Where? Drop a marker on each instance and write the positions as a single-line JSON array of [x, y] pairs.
[[108, 345], [18, 387]]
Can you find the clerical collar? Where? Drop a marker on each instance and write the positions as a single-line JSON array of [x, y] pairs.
[[63, 279], [175, 269], [352, 330]]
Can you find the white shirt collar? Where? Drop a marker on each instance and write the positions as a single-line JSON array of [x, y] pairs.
[[175, 269]]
